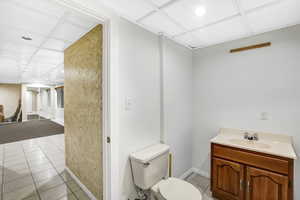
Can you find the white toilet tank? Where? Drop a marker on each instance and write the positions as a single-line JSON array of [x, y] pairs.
[[150, 165]]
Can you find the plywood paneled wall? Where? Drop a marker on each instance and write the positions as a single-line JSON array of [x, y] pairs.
[[83, 110]]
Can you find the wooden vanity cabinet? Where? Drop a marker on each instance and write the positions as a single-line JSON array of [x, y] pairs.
[[229, 178], [239, 174]]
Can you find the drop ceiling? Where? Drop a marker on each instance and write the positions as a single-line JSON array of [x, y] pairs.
[[52, 29], [225, 20]]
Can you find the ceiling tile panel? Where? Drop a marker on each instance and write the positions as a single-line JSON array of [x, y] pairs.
[[221, 32], [81, 20], [161, 23], [17, 49], [160, 2], [16, 16], [48, 57], [21, 58], [283, 14], [43, 6], [133, 9], [248, 5], [11, 69], [184, 11], [58, 45], [14, 36], [69, 32], [190, 40]]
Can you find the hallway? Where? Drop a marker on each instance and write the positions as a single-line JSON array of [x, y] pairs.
[[35, 170]]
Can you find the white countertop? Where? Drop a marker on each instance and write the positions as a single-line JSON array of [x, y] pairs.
[[274, 144]]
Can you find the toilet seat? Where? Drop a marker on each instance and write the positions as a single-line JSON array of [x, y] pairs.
[[177, 189]]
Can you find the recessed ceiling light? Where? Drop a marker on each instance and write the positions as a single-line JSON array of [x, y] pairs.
[[200, 11], [26, 38]]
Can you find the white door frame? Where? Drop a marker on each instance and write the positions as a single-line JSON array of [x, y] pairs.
[[106, 130]]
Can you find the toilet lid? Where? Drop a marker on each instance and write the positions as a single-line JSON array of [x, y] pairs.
[[176, 189]]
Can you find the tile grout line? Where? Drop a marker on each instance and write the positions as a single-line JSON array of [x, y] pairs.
[[64, 182], [34, 183]]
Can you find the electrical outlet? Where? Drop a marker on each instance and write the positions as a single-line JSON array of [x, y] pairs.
[[264, 116]]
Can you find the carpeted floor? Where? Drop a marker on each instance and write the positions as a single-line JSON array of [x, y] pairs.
[[27, 130]]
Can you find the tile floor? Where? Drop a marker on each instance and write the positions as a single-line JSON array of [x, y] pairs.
[[203, 184], [35, 170]]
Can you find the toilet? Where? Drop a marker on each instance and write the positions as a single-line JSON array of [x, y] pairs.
[[150, 173]]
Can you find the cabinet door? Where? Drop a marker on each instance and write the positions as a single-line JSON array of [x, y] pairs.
[[265, 185], [228, 178]]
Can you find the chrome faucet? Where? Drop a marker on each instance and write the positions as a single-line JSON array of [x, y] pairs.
[[248, 136], [255, 136]]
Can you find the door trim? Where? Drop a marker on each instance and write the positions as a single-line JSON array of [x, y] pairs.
[[106, 88]]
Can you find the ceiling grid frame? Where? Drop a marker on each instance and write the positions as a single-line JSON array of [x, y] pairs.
[[42, 13], [241, 12], [160, 10], [243, 16], [31, 63], [60, 21]]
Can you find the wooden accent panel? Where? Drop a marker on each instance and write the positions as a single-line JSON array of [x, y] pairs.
[[264, 185], [228, 178], [83, 110], [251, 158], [251, 47]]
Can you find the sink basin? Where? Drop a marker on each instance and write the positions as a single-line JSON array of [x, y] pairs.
[[250, 143]]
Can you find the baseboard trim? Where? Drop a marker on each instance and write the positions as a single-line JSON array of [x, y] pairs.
[[201, 172], [187, 173], [58, 122], [83, 187], [194, 170]]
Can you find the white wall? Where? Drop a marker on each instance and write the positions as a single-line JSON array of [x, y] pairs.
[[139, 81], [232, 90], [41, 102], [31, 99], [10, 94], [139, 73], [178, 105]]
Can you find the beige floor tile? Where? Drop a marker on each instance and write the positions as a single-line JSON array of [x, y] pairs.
[[49, 183], [35, 157], [17, 184], [55, 193], [10, 175], [38, 163], [199, 181], [35, 197], [15, 162], [40, 176], [17, 167], [20, 194], [69, 197], [40, 168], [14, 157]]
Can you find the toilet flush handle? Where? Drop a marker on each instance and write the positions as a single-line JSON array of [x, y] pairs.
[[146, 164]]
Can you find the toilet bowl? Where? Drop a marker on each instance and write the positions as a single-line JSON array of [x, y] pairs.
[[175, 189]]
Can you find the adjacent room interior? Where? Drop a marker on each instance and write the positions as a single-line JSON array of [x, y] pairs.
[[150, 99], [49, 55]]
